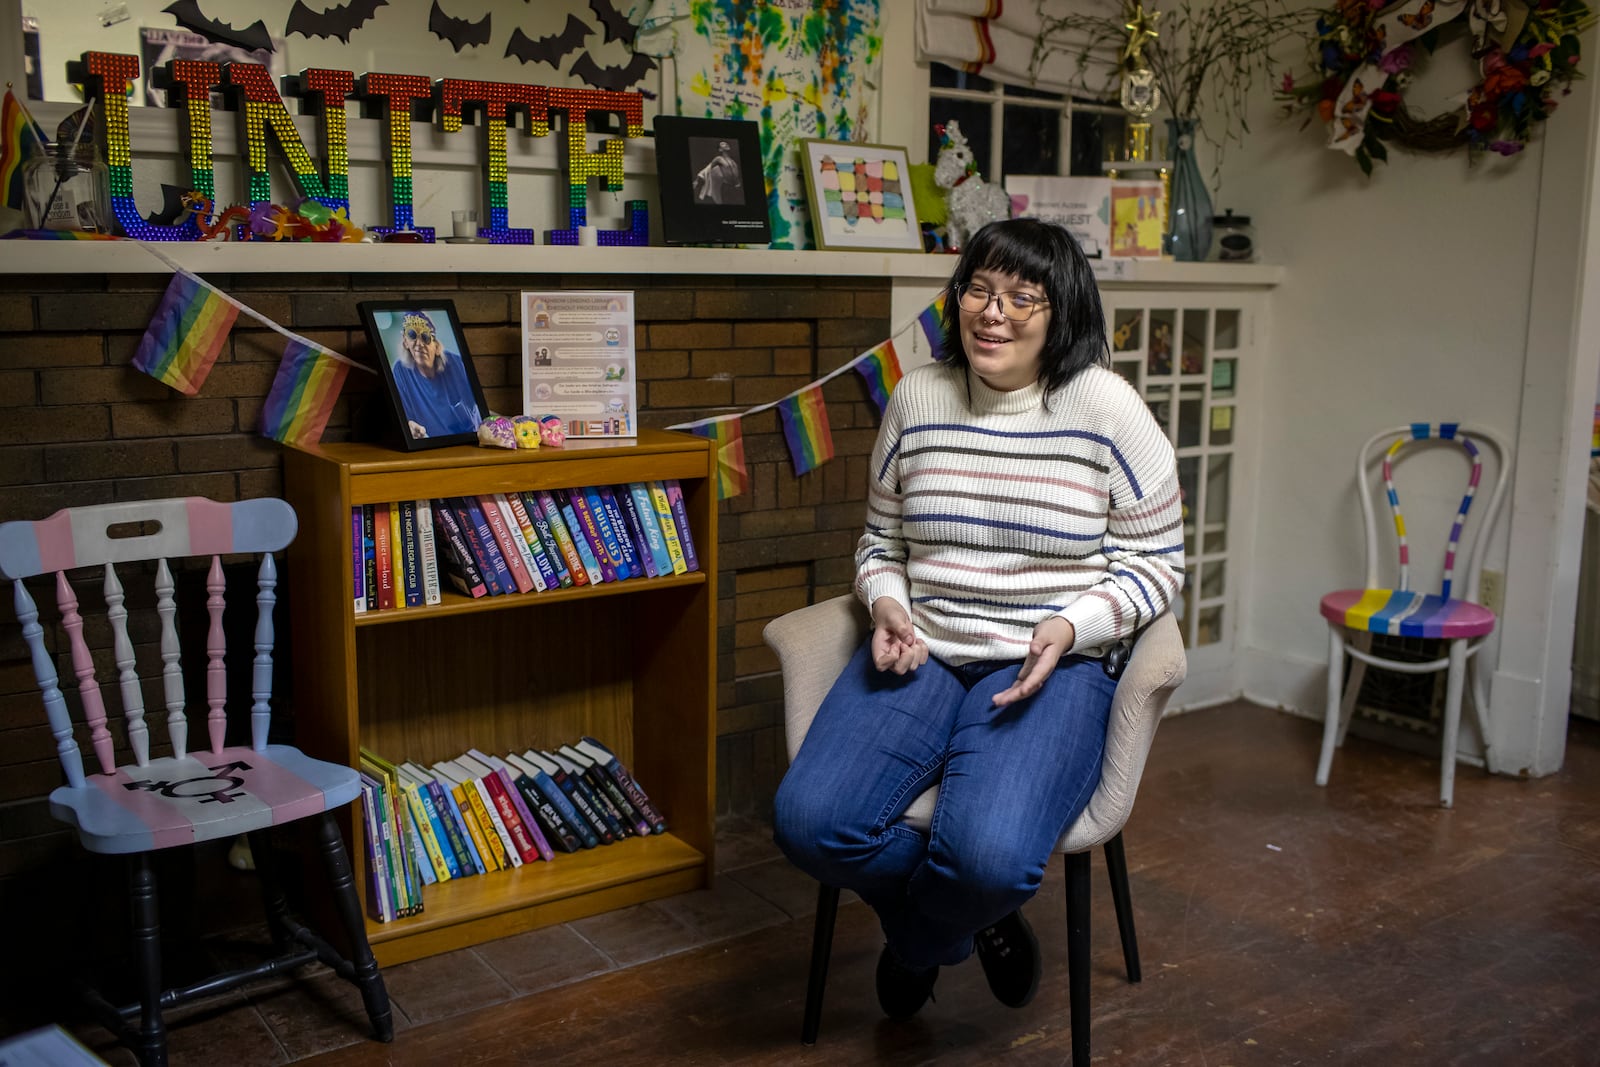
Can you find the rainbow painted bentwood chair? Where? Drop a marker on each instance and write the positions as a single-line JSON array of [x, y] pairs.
[[1453, 615], [187, 797]]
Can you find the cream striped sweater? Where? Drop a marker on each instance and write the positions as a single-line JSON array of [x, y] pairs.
[[985, 518]]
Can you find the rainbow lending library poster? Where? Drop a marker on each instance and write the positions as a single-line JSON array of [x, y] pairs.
[[578, 361]]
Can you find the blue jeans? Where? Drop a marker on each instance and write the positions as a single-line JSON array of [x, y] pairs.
[[1010, 781]]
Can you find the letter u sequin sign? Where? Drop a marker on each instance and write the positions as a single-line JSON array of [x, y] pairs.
[[391, 97]]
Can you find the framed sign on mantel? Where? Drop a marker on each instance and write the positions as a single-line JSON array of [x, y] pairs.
[[712, 189], [860, 196]]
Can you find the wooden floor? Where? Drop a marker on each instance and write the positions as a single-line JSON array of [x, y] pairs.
[[1278, 923]]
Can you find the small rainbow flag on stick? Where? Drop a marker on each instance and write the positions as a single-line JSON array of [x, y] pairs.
[[880, 366], [302, 394], [727, 438], [20, 138], [931, 319], [805, 427], [186, 333]]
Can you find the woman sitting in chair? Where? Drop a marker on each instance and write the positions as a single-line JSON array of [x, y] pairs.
[[1022, 517]]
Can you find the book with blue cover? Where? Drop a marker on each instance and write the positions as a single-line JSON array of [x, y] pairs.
[[655, 542], [582, 572], [489, 545]]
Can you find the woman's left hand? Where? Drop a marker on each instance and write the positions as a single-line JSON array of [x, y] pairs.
[[1052, 639]]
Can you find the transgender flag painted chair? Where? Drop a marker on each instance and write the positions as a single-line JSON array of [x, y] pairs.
[[192, 795], [1453, 615]]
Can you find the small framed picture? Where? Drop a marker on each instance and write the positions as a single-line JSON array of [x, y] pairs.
[[427, 370], [860, 196], [712, 188]]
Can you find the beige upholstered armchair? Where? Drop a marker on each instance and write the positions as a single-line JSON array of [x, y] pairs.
[[814, 644]]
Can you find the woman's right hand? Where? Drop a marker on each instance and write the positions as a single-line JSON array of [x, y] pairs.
[[895, 644]]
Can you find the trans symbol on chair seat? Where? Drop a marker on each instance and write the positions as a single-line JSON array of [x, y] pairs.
[[231, 787]]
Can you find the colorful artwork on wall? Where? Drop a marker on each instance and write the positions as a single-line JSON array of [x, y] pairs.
[[802, 69]]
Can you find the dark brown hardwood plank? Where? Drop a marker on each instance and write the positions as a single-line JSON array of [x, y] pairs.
[[1278, 923]]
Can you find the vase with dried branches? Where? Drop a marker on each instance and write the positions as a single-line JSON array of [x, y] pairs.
[[1206, 57]]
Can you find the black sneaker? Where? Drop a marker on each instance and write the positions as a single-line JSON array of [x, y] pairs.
[[902, 990], [1010, 956]]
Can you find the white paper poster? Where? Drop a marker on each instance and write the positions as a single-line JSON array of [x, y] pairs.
[[1082, 205], [578, 361]]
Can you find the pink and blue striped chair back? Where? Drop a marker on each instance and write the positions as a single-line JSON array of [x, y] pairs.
[[189, 796]]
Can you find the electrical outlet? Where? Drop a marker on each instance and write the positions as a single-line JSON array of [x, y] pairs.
[[1491, 590]]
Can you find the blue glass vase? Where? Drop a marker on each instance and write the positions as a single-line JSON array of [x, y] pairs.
[[1190, 236]]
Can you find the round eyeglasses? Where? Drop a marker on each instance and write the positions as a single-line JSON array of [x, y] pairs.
[[1018, 307]]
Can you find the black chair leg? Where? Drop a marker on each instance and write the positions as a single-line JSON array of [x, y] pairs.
[[1078, 954], [821, 948], [273, 900], [151, 1046], [366, 977], [1117, 868]]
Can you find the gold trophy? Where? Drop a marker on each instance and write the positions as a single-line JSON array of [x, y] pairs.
[[1141, 96]]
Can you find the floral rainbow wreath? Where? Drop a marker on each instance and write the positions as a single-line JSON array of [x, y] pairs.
[[1364, 52]]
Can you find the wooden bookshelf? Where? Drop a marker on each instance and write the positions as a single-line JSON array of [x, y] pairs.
[[632, 663]]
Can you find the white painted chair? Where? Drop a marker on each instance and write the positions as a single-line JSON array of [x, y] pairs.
[[1454, 615], [198, 793], [815, 643]]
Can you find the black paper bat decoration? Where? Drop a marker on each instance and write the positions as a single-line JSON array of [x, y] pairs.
[[617, 78], [618, 28], [338, 21], [253, 38], [551, 50], [172, 206], [459, 32]]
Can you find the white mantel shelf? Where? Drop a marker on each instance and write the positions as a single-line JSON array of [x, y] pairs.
[[224, 257]]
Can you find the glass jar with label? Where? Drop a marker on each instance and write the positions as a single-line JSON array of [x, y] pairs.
[[1236, 241], [68, 187]]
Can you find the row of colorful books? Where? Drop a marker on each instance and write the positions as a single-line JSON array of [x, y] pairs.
[[497, 543], [477, 814]]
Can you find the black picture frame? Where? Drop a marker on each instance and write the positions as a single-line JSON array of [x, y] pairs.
[[446, 407], [699, 204]]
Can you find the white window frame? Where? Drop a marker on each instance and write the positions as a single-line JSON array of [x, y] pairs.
[[997, 99]]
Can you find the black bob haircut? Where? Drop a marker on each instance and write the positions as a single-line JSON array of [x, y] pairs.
[[1047, 256]]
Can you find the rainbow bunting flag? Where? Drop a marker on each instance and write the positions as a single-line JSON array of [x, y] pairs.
[[805, 427], [302, 394], [20, 138], [880, 366], [931, 320], [188, 331], [727, 437]]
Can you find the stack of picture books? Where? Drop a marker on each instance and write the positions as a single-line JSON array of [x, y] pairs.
[[498, 543], [477, 814]]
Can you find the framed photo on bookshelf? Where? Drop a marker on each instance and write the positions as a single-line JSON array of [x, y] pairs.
[[432, 386], [860, 196], [712, 186]]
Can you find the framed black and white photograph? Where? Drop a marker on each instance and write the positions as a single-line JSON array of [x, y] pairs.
[[427, 370], [712, 187]]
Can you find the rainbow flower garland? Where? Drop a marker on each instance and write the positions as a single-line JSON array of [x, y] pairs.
[[1365, 51]]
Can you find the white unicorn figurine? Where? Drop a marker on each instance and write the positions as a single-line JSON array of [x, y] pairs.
[[971, 201]]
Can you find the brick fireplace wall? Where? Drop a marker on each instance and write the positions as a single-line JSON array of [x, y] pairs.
[[78, 426]]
